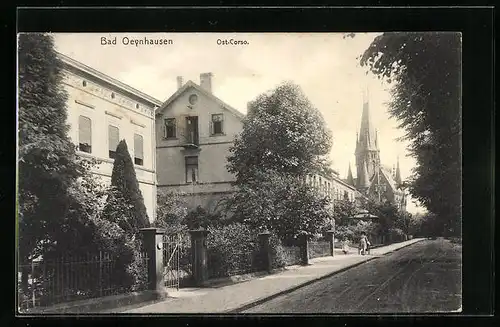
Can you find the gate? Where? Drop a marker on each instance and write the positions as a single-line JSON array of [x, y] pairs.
[[176, 260]]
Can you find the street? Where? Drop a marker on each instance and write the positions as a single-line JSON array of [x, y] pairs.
[[424, 277]]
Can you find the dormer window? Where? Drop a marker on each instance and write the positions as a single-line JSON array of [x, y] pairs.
[[216, 125]]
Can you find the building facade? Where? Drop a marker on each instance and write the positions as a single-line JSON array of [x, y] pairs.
[[194, 132], [101, 112]]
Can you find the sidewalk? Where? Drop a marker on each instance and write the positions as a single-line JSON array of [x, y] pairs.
[[233, 297]]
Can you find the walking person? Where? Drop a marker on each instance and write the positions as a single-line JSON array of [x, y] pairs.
[[345, 246], [363, 243]]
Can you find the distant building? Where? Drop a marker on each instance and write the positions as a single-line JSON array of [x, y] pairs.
[[374, 180], [194, 131], [101, 112]]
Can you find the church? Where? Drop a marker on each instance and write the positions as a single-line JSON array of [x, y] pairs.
[[374, 180]]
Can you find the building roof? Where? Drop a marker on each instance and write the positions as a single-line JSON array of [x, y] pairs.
[[191, 84], [388, 176], [109, 80]]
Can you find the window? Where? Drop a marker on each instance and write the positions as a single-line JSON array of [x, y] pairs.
[[169, 131], [84, 83], [113, 140], [216, 126], [191, 169], [138, 149], [84, 134]]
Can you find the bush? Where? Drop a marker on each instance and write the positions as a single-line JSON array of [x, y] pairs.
[[171, 212], [232, 249], [200, 217], [396, 235], [278, 254]]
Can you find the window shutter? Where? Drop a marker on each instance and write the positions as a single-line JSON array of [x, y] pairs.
[[211, 127], [114, 137], [138, 146], [164, 129], [85, 130]]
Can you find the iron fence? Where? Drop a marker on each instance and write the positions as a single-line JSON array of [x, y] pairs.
[[230, 263], [291, 255], [68, 278], [319, 249]]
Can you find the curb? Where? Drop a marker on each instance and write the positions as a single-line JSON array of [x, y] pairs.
[[294, 288]]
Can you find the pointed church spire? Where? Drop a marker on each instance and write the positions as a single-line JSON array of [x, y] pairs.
[[398, 173], [350, 179], [367, 135]]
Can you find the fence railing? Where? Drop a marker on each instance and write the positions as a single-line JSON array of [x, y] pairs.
[[319, 249], [68, 278], [224, 264], [291, 255]]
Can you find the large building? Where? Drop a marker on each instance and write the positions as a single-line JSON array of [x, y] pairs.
[[374, 180], [194, 131], [101, 112]]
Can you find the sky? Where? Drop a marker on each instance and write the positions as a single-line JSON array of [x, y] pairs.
[[324, 65]]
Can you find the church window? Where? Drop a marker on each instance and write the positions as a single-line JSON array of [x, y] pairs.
[[216, 125], [84, 134], [113, 140], [191, 169], [138, 149], [169, 128], [136, 106], [112, 95], [84, 83]]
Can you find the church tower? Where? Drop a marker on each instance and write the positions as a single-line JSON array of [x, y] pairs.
[[397, 177], [367, 150]]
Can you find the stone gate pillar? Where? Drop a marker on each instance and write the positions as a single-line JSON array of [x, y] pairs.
[[330, 236], [304, 249], [265, 251], [153, 245], [199, 256]]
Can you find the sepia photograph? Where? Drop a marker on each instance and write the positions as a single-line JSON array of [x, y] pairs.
[[239, 173]]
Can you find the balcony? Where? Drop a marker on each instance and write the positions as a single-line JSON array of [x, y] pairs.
[[189, 138]]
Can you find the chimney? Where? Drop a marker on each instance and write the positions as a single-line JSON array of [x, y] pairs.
[[179, 82], [206, 81]]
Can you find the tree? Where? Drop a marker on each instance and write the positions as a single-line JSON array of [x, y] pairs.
[[48, 165], [282, 133], [425, 70], [281, 204], [171, 211], [125, 204], [343, 211], [284, 138]]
